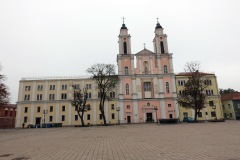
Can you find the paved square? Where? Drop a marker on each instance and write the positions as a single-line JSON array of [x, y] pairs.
[[220, 141]]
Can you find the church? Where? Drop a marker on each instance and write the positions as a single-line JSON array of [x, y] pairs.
[[146, 93]]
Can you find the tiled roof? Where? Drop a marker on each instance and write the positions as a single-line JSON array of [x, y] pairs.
[[230, 96]]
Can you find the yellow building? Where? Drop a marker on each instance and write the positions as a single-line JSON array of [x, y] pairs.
[[231, 105], [212, 108], [48, 101]]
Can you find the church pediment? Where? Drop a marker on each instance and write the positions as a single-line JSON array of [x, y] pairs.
[[145, 51]]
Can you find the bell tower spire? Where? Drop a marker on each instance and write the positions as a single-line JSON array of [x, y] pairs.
[[124, 40], [160, 40]]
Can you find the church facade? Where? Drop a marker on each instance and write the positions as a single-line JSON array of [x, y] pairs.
[[147, 91]]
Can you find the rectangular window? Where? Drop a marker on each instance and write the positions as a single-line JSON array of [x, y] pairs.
[[206, 113], [40, 87], [27, 97], [51, 96], [147, 86], [209, 92], [25, 109], [185, 114], [208, 82], [199, 114], [50, 118], [89, 95], [238, 105], [100, 116], [25, 119], [128, 106], [64, 86], [211, 103], [229, 107], [112, 94], [39, 109], [88, 86], [213, 114], [112, 106], [76, 86], [181, 82], [52, 87], [223, 106], [169, 105], [230, 114], [64, 96], [39, 97], [11, 113], [63, 108], [51, 108], [27, 88], [76, 118], [63, 117], [88, 116], [113, 116]]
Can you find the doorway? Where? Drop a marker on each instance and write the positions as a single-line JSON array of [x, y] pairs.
[[149, 117], [128, 119], [38, 120], [170, 116]]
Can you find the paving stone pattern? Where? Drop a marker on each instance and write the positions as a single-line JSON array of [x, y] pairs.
[[210, 141]]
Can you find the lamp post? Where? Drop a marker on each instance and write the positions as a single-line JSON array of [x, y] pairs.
[[118, 109], [214, 107], [155, 108], [44, 113]]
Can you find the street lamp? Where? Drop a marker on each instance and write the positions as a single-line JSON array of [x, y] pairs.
[[118, 109], [155, 108], [214, 107], [44, 113]]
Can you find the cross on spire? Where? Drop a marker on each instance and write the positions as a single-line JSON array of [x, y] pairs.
[[123, 19], [144, 45], [157, 20]]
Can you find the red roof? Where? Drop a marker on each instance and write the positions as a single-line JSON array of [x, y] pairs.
[[230, 96]]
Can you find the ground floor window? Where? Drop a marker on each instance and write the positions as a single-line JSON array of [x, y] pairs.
[[88, 116], [185, 114], [76, 117], [63, 117], [213, 114], [199, 114], [113, 116], [50, 118]]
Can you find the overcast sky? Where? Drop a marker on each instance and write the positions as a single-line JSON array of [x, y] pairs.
[[65, 37]]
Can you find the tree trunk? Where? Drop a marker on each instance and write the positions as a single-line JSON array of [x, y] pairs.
[[195, 117], [81, 117], [82, 120]]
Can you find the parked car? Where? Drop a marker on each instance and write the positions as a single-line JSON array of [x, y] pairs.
[[188, 119]]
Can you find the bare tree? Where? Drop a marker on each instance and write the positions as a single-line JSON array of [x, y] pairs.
[[194, 96], [106, 80], [4, 94], [80, 102]]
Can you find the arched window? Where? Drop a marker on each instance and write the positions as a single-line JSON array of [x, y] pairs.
[[167, 87], [165, 69], [127, 89], [162, 47], [125, 47], [126, 70]]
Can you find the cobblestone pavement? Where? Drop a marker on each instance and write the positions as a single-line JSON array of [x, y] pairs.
[[220, 141]]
